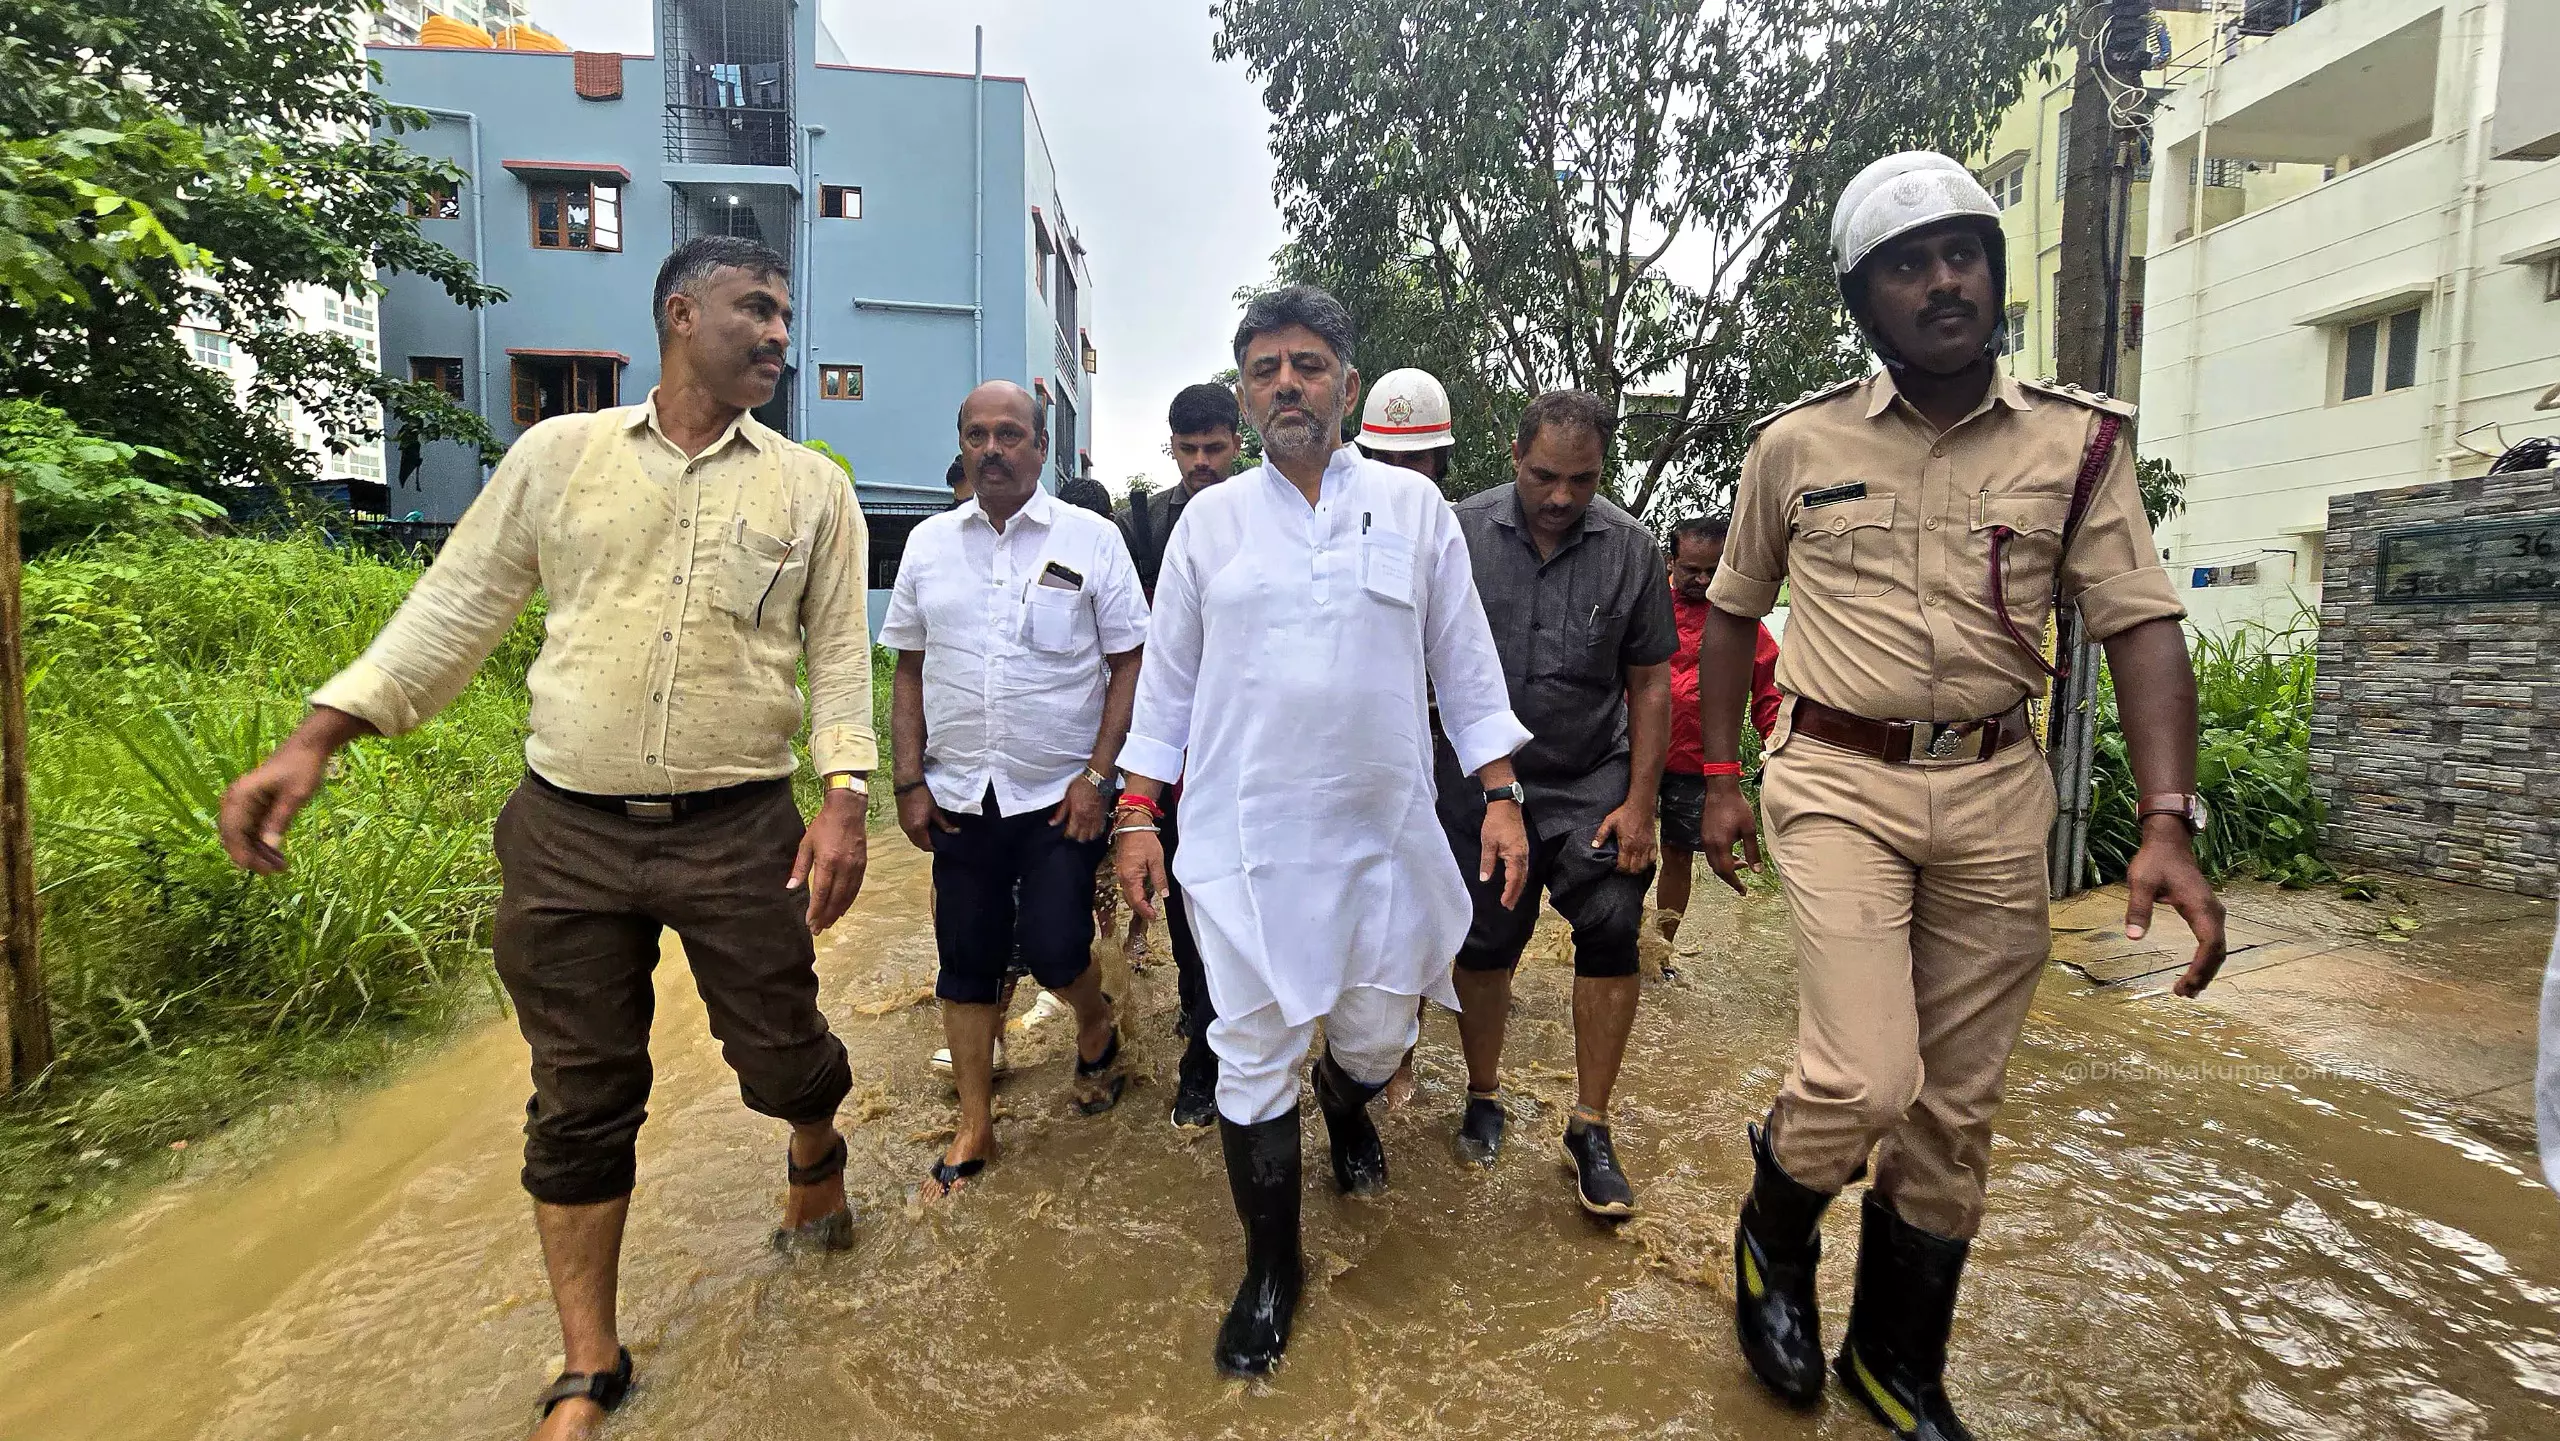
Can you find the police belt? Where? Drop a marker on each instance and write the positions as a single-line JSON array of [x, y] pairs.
[[1912, 742]]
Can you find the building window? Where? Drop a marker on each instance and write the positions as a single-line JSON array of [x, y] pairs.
[[2381, 355], [355, 315], [839, 382], [1040, 259], [840, 202], [579, 215], [2551, 279], [2061, 153], [2224, 174], [2014, 339], [440, 202], [549, 385], [1062, 451], [211, 348], [444, 372], [2008, 186]]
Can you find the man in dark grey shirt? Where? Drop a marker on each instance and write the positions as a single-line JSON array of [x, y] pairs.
[[1573, 587]]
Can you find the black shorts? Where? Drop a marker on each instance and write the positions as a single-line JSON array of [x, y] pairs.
[[1008, 891], [1682, 802], [1604, 904]]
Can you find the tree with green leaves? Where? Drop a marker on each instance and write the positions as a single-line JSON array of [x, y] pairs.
[[1629, 197], [174, 162]]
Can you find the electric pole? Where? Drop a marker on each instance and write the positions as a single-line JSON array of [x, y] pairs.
[[2098, 160]]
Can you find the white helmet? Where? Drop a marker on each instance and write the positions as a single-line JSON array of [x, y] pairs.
[[1896, 196], [1407, 410], [1900, 194]]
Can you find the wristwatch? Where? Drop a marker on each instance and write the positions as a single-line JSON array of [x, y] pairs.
[[1515, 793], [848, 781], [2189, 809]]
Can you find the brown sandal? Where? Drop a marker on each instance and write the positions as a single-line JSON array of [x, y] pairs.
[[832, 1232], [1099, 1082]]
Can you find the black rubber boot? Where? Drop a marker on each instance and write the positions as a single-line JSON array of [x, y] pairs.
[[1263, 1171], [1359, 1157], [1775, 1250], [1894, 1359], [1195, 1092], [1480, 1129]]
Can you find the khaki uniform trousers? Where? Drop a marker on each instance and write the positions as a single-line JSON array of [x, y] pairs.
[[1920, 917]]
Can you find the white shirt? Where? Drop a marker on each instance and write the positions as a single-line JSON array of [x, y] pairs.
[[1290, 665], [1013, 658]]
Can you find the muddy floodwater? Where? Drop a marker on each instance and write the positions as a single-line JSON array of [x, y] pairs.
[[2191, 1236]]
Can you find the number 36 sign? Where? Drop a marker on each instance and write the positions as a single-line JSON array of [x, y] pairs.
[[2477, 560]]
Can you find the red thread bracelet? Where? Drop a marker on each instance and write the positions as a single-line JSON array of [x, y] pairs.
[[1141, 803], [1721, 768]]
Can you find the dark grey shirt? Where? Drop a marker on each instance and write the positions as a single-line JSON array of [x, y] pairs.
[[1146, 523], [1568, 629]]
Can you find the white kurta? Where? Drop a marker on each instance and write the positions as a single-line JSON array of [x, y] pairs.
[[1287, 663]]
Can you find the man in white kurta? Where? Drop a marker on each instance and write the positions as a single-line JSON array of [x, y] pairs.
[[1306, 615]]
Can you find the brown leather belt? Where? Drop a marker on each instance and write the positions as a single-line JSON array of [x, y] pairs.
[[1913, 742]]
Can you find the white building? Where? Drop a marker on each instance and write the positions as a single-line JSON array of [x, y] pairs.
[[321, 312], [399, 21], [2396, 323]]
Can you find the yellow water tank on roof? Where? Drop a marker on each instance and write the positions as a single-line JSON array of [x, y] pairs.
[[525, 37], [445, 30]]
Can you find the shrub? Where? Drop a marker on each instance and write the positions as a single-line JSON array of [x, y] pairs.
[[71, 484], [2253, 763]]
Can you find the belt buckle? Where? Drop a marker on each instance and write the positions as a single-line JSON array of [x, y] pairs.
[[654, 812], [1947, 741]]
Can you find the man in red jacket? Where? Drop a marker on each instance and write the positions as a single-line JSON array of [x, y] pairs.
[[1697, 545]]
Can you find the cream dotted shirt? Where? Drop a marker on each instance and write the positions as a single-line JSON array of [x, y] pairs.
[[684, 593]]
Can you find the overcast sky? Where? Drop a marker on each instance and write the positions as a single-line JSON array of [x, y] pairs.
[[1161, 160]]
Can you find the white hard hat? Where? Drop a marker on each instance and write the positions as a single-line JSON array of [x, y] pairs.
[[1900, 194], [1407, 410]]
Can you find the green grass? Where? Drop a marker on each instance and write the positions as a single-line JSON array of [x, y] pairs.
[[2253, 762], [187, 994]]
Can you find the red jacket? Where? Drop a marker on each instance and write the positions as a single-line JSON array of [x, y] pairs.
[[1688, 750]]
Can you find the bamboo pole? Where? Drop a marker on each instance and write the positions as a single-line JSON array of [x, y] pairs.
[[30, 1048]]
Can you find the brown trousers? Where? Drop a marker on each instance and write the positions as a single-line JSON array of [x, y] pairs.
[[586, 895], [1920, 918]]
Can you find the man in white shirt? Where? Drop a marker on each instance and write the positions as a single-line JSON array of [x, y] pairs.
[[1305, 615], [1018, 623]]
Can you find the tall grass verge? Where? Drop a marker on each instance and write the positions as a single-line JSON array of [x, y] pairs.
[[2253, 762], [185, 992]]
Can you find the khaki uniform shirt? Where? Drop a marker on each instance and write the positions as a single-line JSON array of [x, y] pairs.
[[1882, 526], [683, 593]]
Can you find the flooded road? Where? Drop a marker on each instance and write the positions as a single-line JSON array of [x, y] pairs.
[[2191, 1236]]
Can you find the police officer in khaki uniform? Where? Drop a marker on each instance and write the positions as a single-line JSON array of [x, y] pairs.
[[1926, 519]]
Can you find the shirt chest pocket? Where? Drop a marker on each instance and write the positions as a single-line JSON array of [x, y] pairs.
[[1845, 548], [1386, 567], [759, 578], [1056, 621], [1592, 642], [2022, 535]]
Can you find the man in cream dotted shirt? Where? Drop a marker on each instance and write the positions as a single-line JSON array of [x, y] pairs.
[[692, 559]]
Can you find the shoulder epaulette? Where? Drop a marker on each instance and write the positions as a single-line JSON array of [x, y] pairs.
[[1810, 397], [2095, 400]]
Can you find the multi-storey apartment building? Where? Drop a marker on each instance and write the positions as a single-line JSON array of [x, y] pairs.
[[920, 212]]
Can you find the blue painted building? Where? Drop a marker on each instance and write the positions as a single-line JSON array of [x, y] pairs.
[[928, 245]]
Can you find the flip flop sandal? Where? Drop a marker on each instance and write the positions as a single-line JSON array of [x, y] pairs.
[[948, 1175], [605, 1388], [832, 1232], [1099, 1082]]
